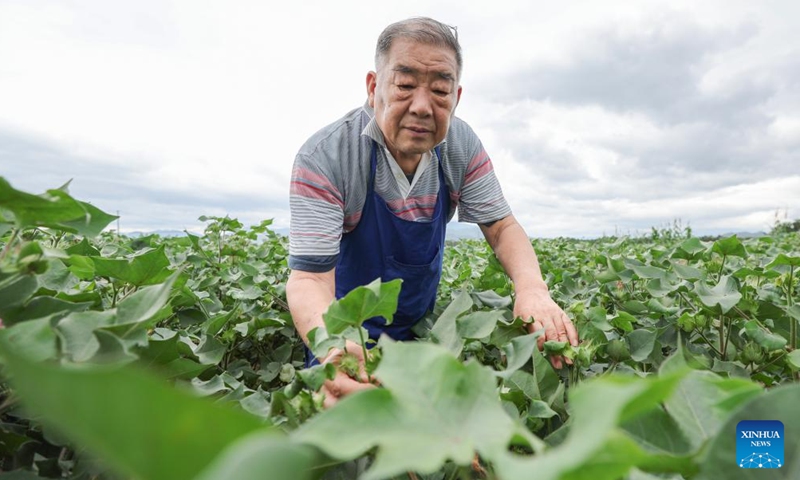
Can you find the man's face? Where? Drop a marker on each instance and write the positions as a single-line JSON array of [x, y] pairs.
[[414, 94]]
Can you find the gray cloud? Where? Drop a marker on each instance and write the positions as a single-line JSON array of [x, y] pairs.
[[34, 165], [658, 70]]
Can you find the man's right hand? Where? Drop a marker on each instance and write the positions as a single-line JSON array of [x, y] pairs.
[[343, 385]]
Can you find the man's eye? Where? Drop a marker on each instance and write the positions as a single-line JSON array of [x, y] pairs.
[[441, 93], [405, 87]]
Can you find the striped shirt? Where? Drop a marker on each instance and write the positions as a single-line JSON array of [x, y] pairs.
[[330, 180]]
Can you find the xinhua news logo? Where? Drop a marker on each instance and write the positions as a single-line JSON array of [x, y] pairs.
[[759, 444]]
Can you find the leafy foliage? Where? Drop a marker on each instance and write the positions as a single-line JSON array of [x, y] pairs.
[[177, 358]]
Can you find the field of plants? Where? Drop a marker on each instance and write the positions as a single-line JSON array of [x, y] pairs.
[[176, 358]]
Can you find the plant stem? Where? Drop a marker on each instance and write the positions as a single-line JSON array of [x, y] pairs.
[[702, 335], [11, 241], [762, 367], [364, 351], [114, 297], [789, 302], [728, 336], [721, 267], [723, 355]]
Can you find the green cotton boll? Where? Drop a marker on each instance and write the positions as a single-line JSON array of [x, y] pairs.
[[287, 373], [687, 322], [752, 353], [349, 365]]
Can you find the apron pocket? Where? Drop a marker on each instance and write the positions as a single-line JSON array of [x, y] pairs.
[[418, 292]]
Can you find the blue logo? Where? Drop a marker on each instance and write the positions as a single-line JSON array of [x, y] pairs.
[[759, 444]]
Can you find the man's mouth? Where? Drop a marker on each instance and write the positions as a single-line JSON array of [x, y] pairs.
[[419, 129]]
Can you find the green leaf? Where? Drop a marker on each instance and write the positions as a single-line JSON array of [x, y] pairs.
[[53, 209], [80, 266], [730, 247], [656, 431], [724, 296], [92, 223], [784, 260], [77, 333], [445, 330], [315, 376], [143, 269], [432, 408], [478, 324], [111, 350], [687, 272], [83, 248], [776, 404], [35, 337], [624, 321], [648, 272], [695, 404], [210, 351], [764, 337], [263, 455], [377, 299], [540, 409], [599, 318], [491, 299], [40, 307], [641, 342], [524, 382], [794, 358], [692, 246], [162, 348], [16, 290], [659, 287], [132, 420], [518, 351], [595, 447], [145, 303]]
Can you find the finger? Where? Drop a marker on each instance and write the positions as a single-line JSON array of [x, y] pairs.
[[328, 398], [572, 332], [560, 322], [556, 362], [342, 385], [550, 330], [535, 327]]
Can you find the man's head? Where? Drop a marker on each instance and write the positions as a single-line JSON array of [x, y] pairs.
[[415, 88], [421, 30]]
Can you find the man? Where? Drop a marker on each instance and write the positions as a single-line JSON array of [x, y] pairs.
[[371, 195]]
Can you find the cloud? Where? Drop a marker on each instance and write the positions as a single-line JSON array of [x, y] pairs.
[[657, 66], [145, 200], [640, 122], [597, 116]]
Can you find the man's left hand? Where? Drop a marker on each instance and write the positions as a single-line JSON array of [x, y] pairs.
[[547, 315]]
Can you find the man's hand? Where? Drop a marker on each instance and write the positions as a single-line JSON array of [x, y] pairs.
[[343, 385], [515, 253], [547, 315]]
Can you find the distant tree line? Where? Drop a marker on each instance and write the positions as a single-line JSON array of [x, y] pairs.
[[786, 226]]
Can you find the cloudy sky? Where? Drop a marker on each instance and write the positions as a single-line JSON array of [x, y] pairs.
[[600, 117]]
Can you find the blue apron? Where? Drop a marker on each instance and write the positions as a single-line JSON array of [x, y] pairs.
[[386, 246]]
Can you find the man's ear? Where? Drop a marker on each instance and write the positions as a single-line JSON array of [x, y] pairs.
[[372, 81], [458, 96]]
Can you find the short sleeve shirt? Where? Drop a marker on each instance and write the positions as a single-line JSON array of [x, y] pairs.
[[330, 182]]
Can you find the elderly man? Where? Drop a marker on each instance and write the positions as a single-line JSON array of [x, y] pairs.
[[372, 193]]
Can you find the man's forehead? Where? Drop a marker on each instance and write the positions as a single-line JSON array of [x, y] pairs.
[[414, 56], [442, 73]]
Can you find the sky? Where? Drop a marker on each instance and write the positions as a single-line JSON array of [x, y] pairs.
[[601, 118]]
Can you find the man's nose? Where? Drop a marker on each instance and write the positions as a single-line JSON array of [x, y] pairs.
[[421, 103]]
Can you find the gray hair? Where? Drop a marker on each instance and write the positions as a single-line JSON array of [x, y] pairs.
[[419, 29]]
